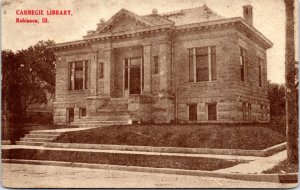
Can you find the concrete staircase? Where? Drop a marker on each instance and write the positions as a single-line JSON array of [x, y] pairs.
[[114, 112], [38, 138]]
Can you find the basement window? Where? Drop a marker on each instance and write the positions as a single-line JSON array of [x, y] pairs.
[[192, 112], [82, 112], [212, 111]]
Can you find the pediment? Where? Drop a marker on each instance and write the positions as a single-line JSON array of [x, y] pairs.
[[124, 21], [126, 24]]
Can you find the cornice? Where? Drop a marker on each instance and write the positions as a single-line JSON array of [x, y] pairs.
[[238, 21]]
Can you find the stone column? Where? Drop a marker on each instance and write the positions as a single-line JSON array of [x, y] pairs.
[[164, 66], [147, 68], [93, 74], [108, 72]]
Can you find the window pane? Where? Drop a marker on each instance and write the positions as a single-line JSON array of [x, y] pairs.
[[126, 78], [79, 75], [202, 51], [243, 58], [86, 75], [70, 71], [191, 66], [213, 63], [213, 49], [260, 63], [135, 62], [101, 70], [202, 68], [259, 75], [78, 64]]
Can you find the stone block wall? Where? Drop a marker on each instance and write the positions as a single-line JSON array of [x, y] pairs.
[[228, 91], [170, 87], [65, 98]]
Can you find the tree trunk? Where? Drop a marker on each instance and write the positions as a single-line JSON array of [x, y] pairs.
[[291, 93]]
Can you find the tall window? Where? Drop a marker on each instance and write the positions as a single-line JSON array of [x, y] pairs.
[[78, 75], [202, 73], [86, 76], [243, 62], [260, 62], [101, 70], [202, 64], [213, 63], [70, 78], [191, 66], [156, 66]]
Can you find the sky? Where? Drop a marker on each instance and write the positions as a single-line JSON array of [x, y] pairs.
[[268, 16]]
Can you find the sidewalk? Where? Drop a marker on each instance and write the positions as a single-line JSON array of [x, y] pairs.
[[249, 171], [257, 166], [254, 165]]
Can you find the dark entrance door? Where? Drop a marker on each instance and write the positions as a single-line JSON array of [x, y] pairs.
[[70, 114], [135, 80], [193, 112], [212, 111]]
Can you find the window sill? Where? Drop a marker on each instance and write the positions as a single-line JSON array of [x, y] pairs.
[[78, 91], [204, 82]]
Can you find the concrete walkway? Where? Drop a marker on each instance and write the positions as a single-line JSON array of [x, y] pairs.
[[257, 166], [254, 165]]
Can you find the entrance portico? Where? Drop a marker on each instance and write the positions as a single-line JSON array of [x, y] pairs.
[[127, 71]]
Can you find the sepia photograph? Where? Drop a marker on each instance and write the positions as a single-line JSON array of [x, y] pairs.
[[149, 94]]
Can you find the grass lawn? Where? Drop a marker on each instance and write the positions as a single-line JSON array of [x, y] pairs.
[[191, 136], [157, 161], [283, 167]]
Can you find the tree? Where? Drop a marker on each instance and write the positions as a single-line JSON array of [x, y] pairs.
[[291, 90], [26, 76], [276, 96], [37, 73]]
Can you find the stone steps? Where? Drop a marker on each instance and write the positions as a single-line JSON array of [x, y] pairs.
[[111, 117], [38, 137], [30, 143], [114, 112], [95, 123]]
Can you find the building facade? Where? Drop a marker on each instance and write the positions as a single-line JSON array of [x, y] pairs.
[[190, 65]]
